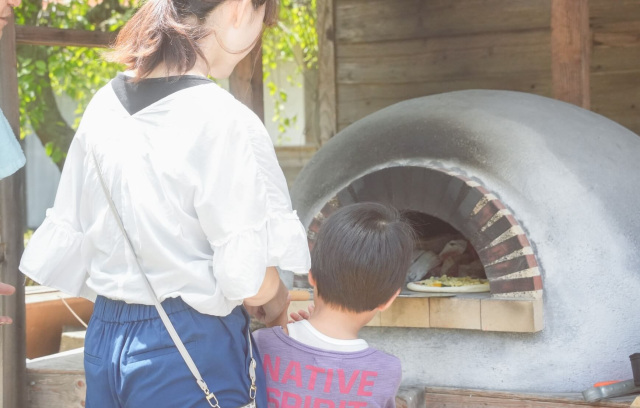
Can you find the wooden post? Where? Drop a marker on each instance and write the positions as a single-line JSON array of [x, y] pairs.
[[570, 51], [245, 83], [12, 221], [327, 100]]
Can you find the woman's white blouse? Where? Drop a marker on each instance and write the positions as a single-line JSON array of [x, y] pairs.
[[195, 179]]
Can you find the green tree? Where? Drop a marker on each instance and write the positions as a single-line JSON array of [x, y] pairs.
[[79, 72], [294, 39]]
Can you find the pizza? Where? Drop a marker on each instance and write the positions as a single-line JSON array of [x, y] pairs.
[[445, 283]]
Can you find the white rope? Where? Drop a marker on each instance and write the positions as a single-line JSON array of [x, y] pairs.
[[73, 313]]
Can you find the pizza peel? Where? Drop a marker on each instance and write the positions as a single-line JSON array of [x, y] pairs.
[[406, 293]]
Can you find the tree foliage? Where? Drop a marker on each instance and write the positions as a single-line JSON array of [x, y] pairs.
[[294, 39], [79, 72], [76, 71]]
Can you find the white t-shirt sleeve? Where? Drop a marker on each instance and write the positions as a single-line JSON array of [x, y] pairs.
[[244, 208]]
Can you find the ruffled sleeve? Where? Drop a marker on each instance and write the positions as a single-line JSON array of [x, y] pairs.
[[53, 254], [244, 208]]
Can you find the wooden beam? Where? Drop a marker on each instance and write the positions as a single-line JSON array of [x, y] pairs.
[[245, 83], [571, 51], [64, 37], [12, 221], [440, 397], [328, 119]]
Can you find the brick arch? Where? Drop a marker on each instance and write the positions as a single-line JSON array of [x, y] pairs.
[[501, 243]]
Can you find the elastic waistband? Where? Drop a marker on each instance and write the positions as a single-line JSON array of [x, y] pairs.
[[117, 311]]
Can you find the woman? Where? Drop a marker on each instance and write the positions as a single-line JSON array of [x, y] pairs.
[[194, 177]]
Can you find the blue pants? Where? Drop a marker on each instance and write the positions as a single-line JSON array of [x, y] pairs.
[[131, 362]]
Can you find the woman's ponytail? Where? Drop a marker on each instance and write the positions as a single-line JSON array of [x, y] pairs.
[[160, 32], [165, 31]]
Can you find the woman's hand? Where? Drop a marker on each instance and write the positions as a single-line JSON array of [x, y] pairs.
[[269, 305]]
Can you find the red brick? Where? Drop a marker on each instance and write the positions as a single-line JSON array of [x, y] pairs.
[[493, 253], [502, 225], [330, 207], [473, 224], [463, 213], [516, 285], [487, 212], [518, 264]]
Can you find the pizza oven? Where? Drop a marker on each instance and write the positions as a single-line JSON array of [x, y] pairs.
[[462, 228], [543, 197]]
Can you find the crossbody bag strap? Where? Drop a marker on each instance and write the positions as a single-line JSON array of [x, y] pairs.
[[210, 397]]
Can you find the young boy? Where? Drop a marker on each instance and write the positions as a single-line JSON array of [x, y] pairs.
[[359, 263]]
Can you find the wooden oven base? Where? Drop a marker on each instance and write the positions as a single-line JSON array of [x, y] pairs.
[[433, 397]]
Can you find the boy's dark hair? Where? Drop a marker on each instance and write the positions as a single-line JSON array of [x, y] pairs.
[[361, 256]]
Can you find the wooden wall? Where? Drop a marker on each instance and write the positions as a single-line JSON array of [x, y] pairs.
[[389, 51], [615, 60]]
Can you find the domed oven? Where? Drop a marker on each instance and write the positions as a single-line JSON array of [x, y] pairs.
[[545, 193]]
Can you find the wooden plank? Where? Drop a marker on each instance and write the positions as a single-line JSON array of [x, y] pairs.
[[615, 61], [570, 51], [63, 37], [12, 220], [292, 159], [485, 59], [327, 105], [364, 21], [68, 362], [461, 398], [386, 94], [245, 83], [311, 108], [72, 340], [616, 44], [520, 61], [603, 12], [469, 401], [359, 100], [442, 44], [56, 390], [617, 97]]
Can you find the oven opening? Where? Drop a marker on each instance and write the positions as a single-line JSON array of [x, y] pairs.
[[441, 250]]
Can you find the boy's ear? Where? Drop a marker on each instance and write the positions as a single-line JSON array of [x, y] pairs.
[[312, 281], [386, 305]]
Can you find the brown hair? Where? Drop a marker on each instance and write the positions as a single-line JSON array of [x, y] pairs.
[[361, 256], [160, 32]]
